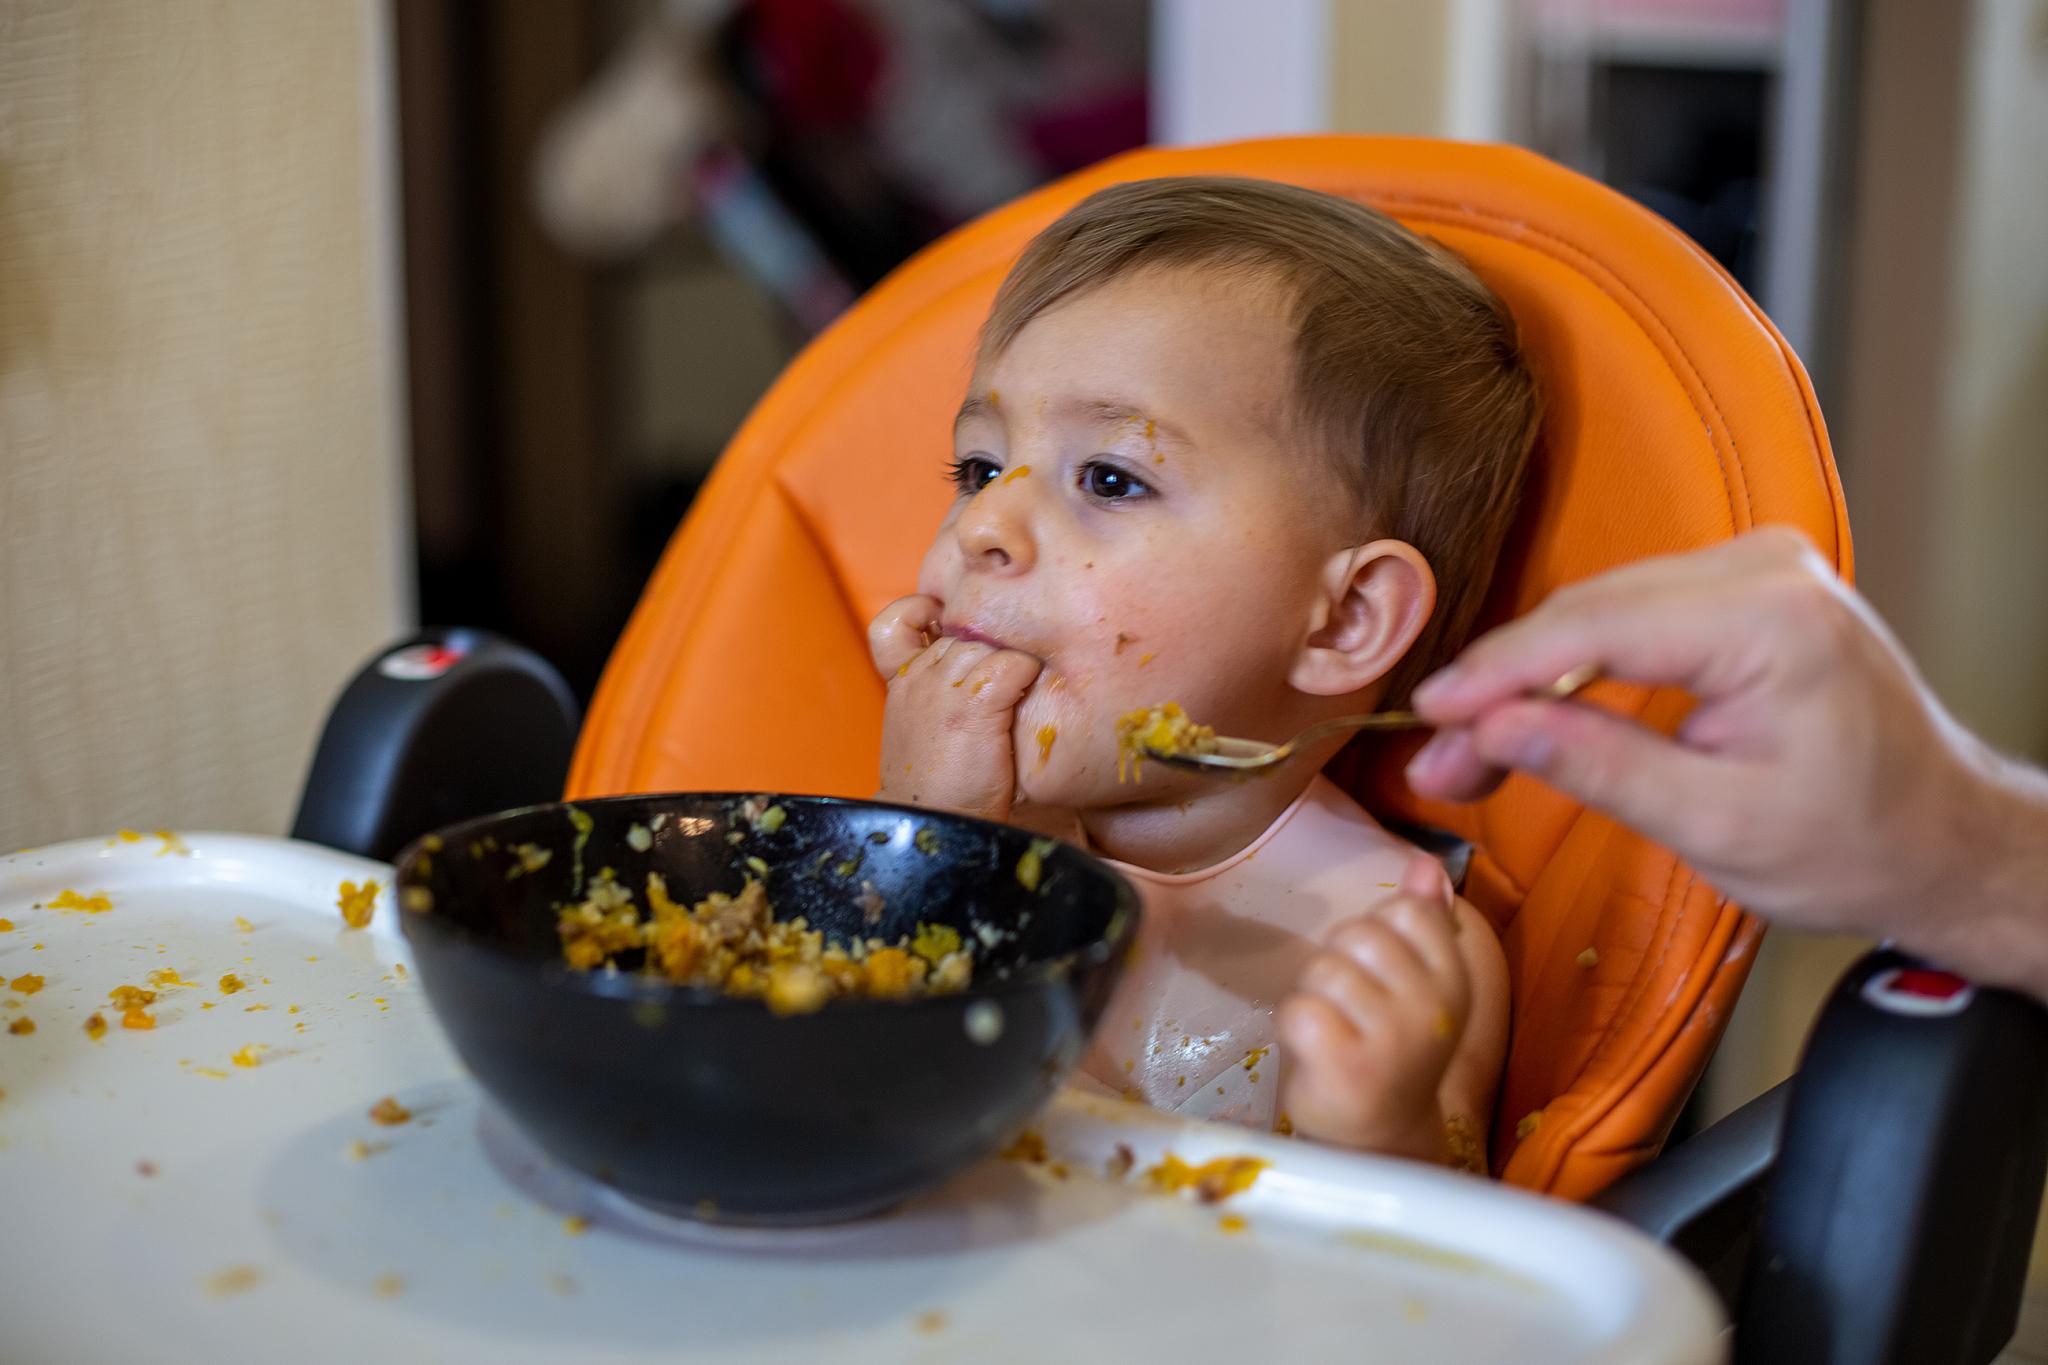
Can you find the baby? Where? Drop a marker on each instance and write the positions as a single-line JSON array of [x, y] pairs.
[[1253, 449]]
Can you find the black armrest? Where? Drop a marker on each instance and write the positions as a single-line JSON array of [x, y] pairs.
[[1908, 1179], [1704, 1197], [441, 727]]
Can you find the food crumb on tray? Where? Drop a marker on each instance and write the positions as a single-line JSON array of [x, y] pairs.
[[234, 1279], [389, 1112], [357, 903], [1212, 1181]]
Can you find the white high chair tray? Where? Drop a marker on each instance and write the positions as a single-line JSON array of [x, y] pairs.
[[163, 1202]]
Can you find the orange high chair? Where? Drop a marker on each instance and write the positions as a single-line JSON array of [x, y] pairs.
[[1676, 417]]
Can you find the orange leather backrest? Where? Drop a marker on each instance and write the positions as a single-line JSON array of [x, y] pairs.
[[1676, 417]]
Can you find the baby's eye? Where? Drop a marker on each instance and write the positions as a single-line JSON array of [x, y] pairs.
[[972, 473], [1100, 479]]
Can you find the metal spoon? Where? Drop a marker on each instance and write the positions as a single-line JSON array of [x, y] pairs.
[[1257, 756]]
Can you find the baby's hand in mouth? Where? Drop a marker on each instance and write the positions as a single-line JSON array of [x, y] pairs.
[[946, 738]]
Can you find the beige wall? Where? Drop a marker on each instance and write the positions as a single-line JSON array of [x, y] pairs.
[[1987, 652], [200, 529]]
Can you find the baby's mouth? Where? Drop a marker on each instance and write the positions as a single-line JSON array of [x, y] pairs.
[[960, 632]]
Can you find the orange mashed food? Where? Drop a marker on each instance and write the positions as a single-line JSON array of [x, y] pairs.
[[356, 903], [1158, 730], [389, 1112], [131, 997], [1212, 1181], [736, 945]]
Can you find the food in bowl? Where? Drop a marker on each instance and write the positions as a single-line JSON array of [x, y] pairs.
[[736, 945]]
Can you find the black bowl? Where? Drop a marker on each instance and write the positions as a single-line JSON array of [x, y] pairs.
[[715, 1107]]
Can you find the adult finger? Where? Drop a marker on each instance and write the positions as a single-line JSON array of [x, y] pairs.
[[1688, 620], [1449, 768], [1672, 794]]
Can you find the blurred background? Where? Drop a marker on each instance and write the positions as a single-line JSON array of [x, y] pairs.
[[323, 318]]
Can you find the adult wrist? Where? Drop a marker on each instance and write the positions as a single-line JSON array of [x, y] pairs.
[[1991, 918]]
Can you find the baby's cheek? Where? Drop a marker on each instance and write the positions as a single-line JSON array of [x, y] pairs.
[[1055, 731]]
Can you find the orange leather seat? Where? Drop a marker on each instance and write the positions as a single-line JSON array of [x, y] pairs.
[[1676, 417]]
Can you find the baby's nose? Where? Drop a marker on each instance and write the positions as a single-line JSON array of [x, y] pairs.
[[995, 527]]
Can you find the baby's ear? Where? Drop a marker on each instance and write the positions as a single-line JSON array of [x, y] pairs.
[[1374, 602]]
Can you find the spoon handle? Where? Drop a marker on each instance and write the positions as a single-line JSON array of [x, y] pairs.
[[1569, 685]]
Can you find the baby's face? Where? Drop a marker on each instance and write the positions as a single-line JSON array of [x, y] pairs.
[[1134, 512]]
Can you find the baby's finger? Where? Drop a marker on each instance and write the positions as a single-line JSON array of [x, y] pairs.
[[1424, 878], [1316, 1035], [936, 657], [901, 631], [995, 679], [1329, 1070], [1365, 998], [1371, 945], [1429, 933]]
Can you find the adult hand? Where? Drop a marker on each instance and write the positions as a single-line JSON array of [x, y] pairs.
[[1817, 782]]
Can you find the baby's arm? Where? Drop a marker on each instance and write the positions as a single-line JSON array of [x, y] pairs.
[[946, 740], [1398, 1032]]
